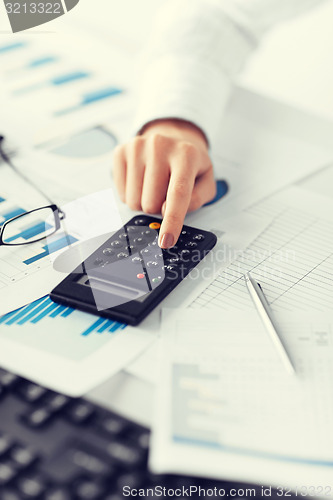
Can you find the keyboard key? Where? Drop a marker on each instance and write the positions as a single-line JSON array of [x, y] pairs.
[[7, 379], [5, 444], [125, 454], [22, 457], [32, 486], [38, 418], [114, 426], [80, 412], [88, 490], [57, 402], [133, 480], [31, 393], [7, 472], [75, 460], [58, 493], [9, 494]]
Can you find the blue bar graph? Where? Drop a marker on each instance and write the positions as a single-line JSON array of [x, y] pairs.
[[42, 61], [103, 324], [69, 77], [13, 213], [11, 46], [30, 231], [50, 248], [44, 308], [91, 98]]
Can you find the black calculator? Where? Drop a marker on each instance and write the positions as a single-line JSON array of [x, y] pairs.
[[129, 275]]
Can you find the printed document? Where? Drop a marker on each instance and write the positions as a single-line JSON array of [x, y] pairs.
[[228, 408]]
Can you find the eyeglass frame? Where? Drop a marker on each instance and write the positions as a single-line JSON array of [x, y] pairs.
[[58, 217], [59, 214]]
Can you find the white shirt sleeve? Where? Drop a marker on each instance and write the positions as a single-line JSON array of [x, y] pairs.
[[196, 49]]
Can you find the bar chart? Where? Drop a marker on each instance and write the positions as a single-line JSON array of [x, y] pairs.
[[44, 308]]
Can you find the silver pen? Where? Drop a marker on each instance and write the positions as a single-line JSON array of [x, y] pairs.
[[265, 314]]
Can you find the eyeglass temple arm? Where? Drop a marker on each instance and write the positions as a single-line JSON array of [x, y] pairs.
[[7, 160]]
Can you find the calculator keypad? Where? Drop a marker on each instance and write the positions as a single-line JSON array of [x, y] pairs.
[[137, 244]]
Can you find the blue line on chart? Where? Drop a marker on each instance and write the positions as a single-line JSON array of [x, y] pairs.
[[30, 232], [14, 212], [55, 82], [12, 46], [50, 248], [90, 98]]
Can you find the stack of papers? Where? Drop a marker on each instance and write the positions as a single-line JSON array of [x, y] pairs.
[[227, 407]]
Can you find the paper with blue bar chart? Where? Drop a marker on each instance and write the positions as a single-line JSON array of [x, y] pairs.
[[64, 349], [27, 271], [60, 85], [228, 408]]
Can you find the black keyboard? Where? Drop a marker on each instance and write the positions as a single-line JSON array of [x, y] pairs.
[[53, 447]]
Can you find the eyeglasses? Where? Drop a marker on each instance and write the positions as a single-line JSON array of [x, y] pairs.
[[34, 225]]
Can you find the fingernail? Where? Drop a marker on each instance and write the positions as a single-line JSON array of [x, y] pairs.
[[167, 240]]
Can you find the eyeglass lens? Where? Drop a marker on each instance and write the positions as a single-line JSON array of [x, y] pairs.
[[30, 227]]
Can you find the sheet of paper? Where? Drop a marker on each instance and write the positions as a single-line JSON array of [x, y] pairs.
[[27, 271], [264, 145], [228, 408], [67, 350], [292, 259]]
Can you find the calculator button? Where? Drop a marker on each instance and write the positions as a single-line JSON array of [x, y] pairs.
[[154, 225], [158, 256], [140, 276], [147, 232], [170, 267], [140, 222], [185, 253], [173, 260], [122, 236], [122, 255], [116, 244], [185, 232], [137, 260], [108, 251], [98, 262], [139, 241], [152, 263], [198, 237], [145, 251], [191, 244], [133, 229], [156, 280]]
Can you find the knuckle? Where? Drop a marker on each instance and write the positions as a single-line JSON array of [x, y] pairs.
[[181, 187], [158, 141], [133, 202], [188, 150], [117, 153], [135, 145]]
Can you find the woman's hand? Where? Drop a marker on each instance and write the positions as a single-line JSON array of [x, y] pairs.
[[165, 170]]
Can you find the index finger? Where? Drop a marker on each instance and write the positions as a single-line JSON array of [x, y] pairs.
[[177, 202]]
